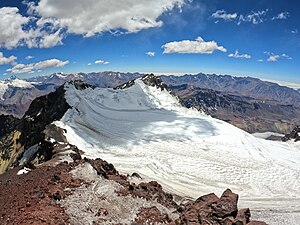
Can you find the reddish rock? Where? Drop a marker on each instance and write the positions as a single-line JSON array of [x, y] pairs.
[[227, 205], [102, 167], [254, 222], [151, 216], [243, 217]]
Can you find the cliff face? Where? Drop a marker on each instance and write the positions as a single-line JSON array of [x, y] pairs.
[[26, 134]]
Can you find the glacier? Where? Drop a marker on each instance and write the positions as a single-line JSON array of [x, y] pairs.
[[146, 130]]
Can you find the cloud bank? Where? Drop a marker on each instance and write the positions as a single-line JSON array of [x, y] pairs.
[[47, 22], [33, 67]]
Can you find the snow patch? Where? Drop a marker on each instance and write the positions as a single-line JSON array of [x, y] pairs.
[[23, 171]]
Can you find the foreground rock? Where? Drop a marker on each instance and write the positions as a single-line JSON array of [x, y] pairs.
[[94, 192]]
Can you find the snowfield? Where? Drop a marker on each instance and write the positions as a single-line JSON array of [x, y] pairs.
[[145, 130]]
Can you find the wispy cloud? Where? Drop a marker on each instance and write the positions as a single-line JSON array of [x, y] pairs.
[[29, 57], [276, 57], [294, 31], [237, 55], [199, 46], [101, 62], [222, 14], [281, 16], [151, 54], [254, 17]]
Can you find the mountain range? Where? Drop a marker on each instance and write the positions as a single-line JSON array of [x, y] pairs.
[[248, 103]]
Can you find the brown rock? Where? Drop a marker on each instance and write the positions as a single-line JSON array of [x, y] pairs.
[[228, 221], [151, 216], [254, 222], [243, 217], [227, 205], [102, 167]]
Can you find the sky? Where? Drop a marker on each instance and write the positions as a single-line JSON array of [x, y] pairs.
[[243, 38]]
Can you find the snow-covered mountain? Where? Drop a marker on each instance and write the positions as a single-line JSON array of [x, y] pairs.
[[16, 95], [145, 129]]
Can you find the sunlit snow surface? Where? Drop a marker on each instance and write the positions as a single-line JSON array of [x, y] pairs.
[[143, 129]]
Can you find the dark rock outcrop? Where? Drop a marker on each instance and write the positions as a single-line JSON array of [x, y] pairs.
[[154, 81], [7, 124], [29, 130], [294, 135]]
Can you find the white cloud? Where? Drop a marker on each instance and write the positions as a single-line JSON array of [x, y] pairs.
[[151, 54], [17, 30], [281, 16], [29, 57], [101, 62], [286, 56], [11, 26], [199, 46], [237, 55], [275, 57], [4, 60], [32, 67], [260, 60], [89, 64], [294, 31], [221, 14], [91, 17], [51, 40], [253, 17], [47, 22]]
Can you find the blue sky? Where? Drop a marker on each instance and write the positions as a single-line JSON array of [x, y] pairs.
[[245, 38]]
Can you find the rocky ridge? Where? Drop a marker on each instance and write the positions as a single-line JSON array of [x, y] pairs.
[[26, 138]]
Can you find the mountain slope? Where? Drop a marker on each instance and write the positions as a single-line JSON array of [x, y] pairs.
[[246, 113], [145, 129], [243, 86]]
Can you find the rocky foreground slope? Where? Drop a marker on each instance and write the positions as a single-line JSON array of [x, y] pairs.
[[92, 192]]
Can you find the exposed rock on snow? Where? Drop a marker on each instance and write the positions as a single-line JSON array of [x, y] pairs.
[[294, 135]]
